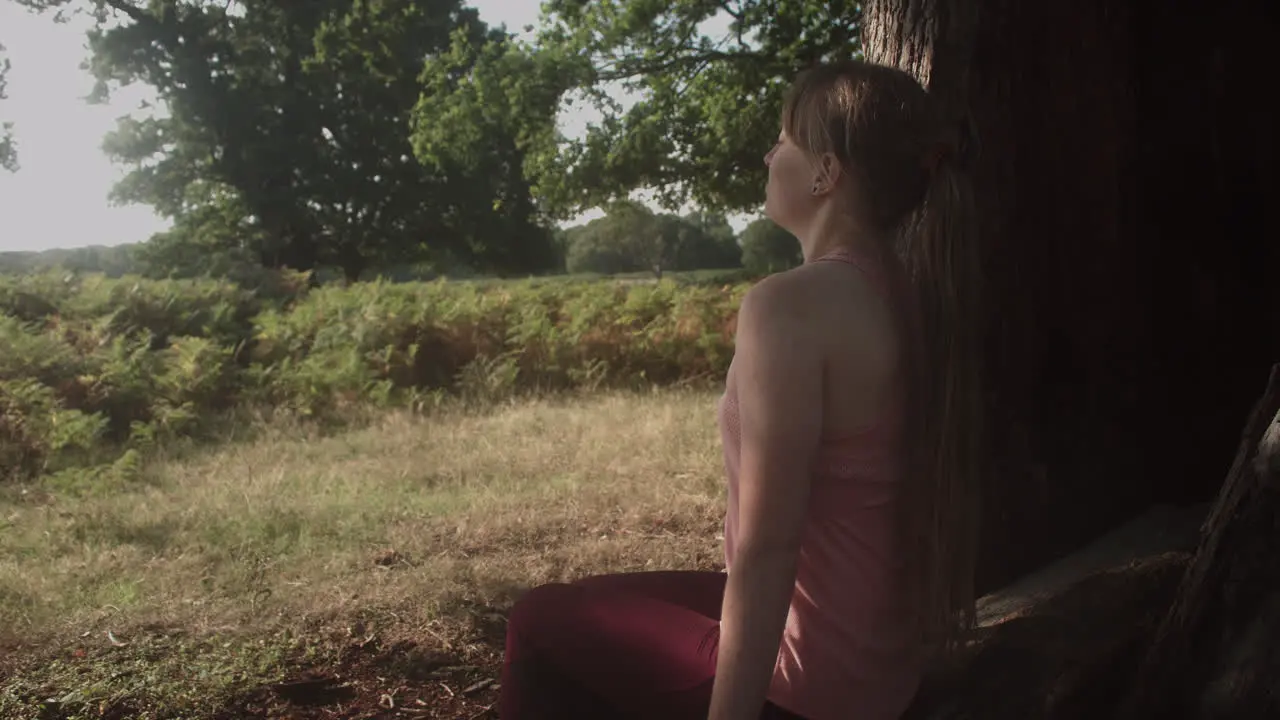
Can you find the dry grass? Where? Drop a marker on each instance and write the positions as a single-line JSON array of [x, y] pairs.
[[407, 527]]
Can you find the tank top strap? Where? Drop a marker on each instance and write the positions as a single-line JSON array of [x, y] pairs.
[[867, 266]]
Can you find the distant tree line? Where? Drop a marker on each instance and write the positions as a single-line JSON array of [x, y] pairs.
[[629, 238], [114, 261]]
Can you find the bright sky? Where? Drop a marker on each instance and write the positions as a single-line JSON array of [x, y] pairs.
[[58, 198]]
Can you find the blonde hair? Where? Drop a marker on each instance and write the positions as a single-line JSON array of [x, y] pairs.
[[890, 135]]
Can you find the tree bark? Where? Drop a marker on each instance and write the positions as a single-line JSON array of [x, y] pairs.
[[1217, 653], [933, 41], [1043, 89], [1123, 185], [1206, 168], [1063, 659], [1130, 260]]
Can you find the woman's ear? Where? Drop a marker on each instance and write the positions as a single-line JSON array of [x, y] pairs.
[[827, 174]]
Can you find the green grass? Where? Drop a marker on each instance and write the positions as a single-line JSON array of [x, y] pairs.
[[227, 567]]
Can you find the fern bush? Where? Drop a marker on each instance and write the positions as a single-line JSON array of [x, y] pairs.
[[94, 372]]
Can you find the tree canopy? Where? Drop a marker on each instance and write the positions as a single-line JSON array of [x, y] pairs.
[[366, 134], [632, 238], [288, 132], [709, 102]]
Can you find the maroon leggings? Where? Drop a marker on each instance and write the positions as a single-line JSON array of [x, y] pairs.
[[639, 645]]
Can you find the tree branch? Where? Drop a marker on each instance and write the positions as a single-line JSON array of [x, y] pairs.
[[631, 68], [724, 5], [134, 13]]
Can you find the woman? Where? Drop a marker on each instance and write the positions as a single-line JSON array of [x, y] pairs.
[[849, 430]]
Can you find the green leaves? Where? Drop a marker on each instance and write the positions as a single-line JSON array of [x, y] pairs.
[[487, 110], [631, 238], [365, 134], [710, 75], [288, 132], [767, 248]]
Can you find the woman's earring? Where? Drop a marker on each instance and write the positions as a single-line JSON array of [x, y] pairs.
[[817, 188]]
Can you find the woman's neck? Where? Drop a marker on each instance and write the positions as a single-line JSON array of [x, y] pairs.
[[838, 232]]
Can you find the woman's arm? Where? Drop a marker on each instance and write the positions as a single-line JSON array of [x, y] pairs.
[[778, 373]]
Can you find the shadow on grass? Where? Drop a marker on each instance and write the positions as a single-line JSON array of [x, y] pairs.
[[366, 680]]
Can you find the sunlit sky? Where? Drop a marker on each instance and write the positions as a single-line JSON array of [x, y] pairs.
[[58, 198]]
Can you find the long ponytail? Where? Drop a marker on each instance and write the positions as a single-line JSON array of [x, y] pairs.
[[937, 244]]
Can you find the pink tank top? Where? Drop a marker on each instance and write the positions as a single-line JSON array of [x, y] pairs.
[[846, 651]]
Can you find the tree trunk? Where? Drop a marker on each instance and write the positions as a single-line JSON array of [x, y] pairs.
[[1217, 653], [1054, 646], [1206, 177], [1064, 658], [1122, 181], [352, 269]]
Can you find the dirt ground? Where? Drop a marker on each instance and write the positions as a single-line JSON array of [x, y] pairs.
[[403, 681]]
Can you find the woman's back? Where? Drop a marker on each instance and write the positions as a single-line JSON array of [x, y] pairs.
[[847, 642]]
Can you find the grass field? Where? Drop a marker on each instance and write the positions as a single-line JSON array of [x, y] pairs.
[[363, 574]]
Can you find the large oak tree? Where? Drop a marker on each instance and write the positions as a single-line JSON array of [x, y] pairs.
[[287, 133]]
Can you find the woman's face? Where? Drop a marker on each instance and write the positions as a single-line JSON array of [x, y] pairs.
[[789, 197]]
